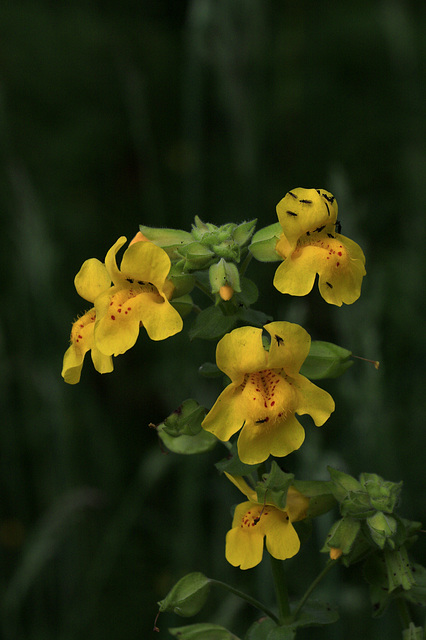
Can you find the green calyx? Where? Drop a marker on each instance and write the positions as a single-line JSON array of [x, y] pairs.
[[224, 273], [264, 241]]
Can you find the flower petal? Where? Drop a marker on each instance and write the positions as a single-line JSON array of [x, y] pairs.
[[257, 441], [282, 541], [92, 279], [240, 352], [243, 486], [290, 345], [111, 261], [117, 323], [244, 547], [297, 505], [312, 400], [159, 318], [296, 275], [227, 415], [146, 262]]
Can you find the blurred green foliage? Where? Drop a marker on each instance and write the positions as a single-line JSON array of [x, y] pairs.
[[116, 114]]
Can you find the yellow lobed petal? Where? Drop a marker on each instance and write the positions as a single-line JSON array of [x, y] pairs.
[[303, 210], [282, 541], [241, 351], [243, 486], [290, 345], [297, 505], [296, 275], [145, 262], [312, 400], [81, 342], [227, 415], [111, 261], [92, 279], [243, 550], [280, 438]]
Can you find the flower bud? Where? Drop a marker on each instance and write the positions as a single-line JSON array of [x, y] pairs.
[[264, 241]]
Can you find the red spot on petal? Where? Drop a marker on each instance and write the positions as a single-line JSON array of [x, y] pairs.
[[337, 264], [272, 403], [119, 310], [80, 337], [339, 253], [112, 317]]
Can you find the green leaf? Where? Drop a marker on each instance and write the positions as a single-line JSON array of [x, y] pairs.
[[253, 317], [249, 292], [233, 465], [417, 593], [325, 360], [202, 631], [187, 596], [188, 445], [260, 629], [185, 420], [209, 370], [315, 613], [342, 483], [320, 496], [211, 324]]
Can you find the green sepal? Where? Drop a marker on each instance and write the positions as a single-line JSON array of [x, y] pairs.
[[274, 487], [183, 305], [413, 633], [202, 631], [188, 595], [211, 324], [417, 593], [233, 465], [243, 232], [381, 528], [325, 360], [185, 420], [167, 239], [320, 496], [398, 568], [383, 494], [264, 241], [357, 505], [183, 282], [342, 483], [209, 370], [222, 273], [196, 256], [342, 535]]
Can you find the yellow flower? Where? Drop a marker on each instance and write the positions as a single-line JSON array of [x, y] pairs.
[[254, 521], [266, 392], [139, 296], [90, 281], [310, 244]]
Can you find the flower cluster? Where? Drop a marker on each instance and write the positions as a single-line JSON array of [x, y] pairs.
[[124, 299]]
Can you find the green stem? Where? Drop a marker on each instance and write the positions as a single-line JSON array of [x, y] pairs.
[[280, 584], [404, 613], [204, 289], [244, 596], [245, 263], [313, 586]]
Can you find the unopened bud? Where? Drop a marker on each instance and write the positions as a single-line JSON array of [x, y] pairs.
[[226, 292], [335, 553]]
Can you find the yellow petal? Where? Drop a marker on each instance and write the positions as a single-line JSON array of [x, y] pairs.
[[242, 485], [303, 210], [296, 275], [117, 324], [227, 415], [244, 544], [297, 505], [101, 362], [92, 279], [159, 318], [289, 348], [282, 541], [144, 261], [72, 365], [240, 352], [257, 441], [312, 400]]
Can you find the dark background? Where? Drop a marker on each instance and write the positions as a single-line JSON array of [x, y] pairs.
[[114, 114]]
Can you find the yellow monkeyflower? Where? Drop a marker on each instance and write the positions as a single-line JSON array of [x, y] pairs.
[[139, 296], [311, 245], [266, 391], [254, 521], [90, 281]]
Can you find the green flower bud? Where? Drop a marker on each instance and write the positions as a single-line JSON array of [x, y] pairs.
[[357, 505], [188, 595], [342, 535], [342, 483], [383, 494], [196, 255], [244, 232], [381, 528], [224, 273], [186, 419], [264, 241], [227, 250], [168, 239]]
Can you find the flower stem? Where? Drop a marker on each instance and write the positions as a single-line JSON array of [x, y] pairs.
[[404, 613], [313, 586], [244, 596], [281, 592], [245, 263]]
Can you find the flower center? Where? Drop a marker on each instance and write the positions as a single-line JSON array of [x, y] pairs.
[[335, 251], [79, 327], [253, 516], [270, 395]]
